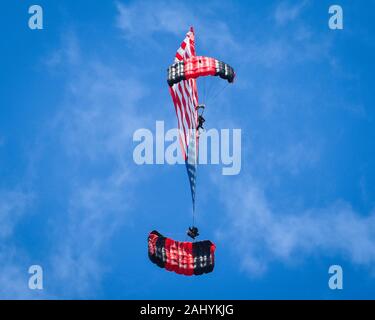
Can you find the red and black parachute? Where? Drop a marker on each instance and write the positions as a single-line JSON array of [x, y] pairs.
[[187, 258], [197, 66]]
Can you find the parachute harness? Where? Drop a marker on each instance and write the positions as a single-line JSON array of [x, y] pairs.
[[193, 232], [201, 120]]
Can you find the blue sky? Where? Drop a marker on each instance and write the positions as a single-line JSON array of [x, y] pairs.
[[73, 201]]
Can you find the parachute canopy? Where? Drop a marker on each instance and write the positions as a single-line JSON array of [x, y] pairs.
[[198, 66], [187, 258]]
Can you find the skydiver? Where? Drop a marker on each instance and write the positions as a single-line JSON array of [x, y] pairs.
[[201, 120], [193, 232]]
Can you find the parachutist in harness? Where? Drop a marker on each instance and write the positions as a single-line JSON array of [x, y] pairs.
[[193, 232], [201, 120]]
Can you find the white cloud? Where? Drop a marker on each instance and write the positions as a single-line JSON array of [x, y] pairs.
[[12, 208], [13, 280], [101, 120], [94, 127], [264, 235], [69, 54], [293, 157], [142, 19], [283, 51], [13, 261], [14, 276], [96, 211], [286, 12]]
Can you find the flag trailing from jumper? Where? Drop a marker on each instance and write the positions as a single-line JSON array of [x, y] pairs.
[[185, 99]]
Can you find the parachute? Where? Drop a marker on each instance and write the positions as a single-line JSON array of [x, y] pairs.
[[195, 67], [188, 257], [185, 258]]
